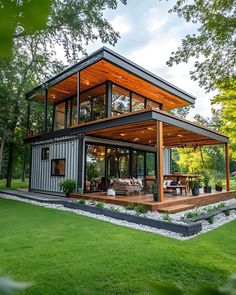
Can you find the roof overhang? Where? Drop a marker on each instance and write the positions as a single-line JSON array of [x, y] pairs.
[[140, 127], [112, 66]]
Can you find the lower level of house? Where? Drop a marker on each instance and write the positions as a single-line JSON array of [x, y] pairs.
[[93, 163]]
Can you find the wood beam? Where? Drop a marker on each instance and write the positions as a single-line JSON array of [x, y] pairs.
[[227, 168], [159, 147]]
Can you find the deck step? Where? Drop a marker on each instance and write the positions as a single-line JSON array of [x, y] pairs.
[[176, 208]]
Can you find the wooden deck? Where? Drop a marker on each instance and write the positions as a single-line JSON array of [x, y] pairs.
[[171, 204]]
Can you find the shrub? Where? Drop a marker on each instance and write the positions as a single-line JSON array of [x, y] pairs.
[[92, 202], [210, 219], [140, 209], [67, 186], [81, 201], [100, 205], [227, 213], [221, 205], [191, 214], [114, 209], [130, 206], [167, 217]]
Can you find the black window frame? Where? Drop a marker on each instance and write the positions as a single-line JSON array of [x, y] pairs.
[[59, 175], [43, 154]]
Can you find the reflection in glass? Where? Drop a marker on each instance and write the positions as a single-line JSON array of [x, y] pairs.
[[118, 162], [152, 105], [150, 170], [59, 116], [137, 102], [36, 119], [138, 164], [92, 105], [120, 100], [95, 168]]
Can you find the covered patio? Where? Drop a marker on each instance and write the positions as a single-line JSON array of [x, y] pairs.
[[158, 129]]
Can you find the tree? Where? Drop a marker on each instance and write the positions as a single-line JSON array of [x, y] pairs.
[[214, 43], [227, 100], [70, 25]]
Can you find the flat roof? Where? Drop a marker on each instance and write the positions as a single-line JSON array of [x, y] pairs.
[[122, 63]]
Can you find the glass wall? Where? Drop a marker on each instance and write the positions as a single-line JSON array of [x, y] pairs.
[[118, 162], [92, 104], [60, 116], [152, 105], [138, 102], [120, 100], [105, 163], [95, 168], [138, 159]]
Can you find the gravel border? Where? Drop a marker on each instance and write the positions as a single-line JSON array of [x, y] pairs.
[[219, 220]]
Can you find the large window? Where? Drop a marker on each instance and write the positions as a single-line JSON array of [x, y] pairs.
[[92, 104], [138, 102], [152, 105], [138, 160], [58, 167], [95, 168], [60, 116], [120, 100], [118, 162], [45, 153]]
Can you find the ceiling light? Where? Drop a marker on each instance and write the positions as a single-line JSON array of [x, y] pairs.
[[122, 134], [180, 135], [119, 77], [142, 131], [87, 83], [150, 128], [150, 141], [136, 138]]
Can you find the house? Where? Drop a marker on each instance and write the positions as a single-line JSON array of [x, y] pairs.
[[106, 118]]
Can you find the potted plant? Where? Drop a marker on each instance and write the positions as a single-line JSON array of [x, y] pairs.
[[155, 191], [206, 180], [218, 186], [195, 185], [67, 186]]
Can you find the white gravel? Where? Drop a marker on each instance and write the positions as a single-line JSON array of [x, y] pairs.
[[218, 220]]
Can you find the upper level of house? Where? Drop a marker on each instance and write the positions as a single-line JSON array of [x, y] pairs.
[[102, 85]]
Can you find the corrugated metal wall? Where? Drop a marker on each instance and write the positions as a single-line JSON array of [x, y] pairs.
[[167, 161], [41, 178]]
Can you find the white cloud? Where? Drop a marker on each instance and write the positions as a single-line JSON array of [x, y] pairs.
[[121, 24]]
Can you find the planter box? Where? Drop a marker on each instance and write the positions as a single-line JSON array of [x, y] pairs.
[[183, 229]]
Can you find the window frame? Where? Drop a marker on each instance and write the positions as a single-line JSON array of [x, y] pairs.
[[59, 175], [42, 153]]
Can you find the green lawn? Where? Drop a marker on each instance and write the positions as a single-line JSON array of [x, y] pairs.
[[64, 253], [16, 183]]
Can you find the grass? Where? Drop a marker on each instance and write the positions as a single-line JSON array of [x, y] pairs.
[[64, 253], [16, 184]]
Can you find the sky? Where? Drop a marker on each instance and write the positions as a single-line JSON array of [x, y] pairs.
[[148, 36]]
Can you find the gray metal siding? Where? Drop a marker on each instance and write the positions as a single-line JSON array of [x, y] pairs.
[[41, 178], [167, 161]]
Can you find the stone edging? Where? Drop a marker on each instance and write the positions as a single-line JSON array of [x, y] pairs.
[[187, 229], [210, 214]]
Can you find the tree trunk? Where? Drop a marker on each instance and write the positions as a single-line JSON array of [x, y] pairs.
[[1, 155], [24, 166], [10, 164]]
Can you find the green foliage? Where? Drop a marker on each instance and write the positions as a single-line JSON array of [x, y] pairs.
[[206, 180], [227, 212], [219, 182], [167, 217], [226, 98], [130, 206], [16, 184], [80, 201], [194, 184], [140, 209], [155, 187], [18, 18], [192, 214], [210, 219], [67, 185], [9, 286], [213, 45], [100, 205]]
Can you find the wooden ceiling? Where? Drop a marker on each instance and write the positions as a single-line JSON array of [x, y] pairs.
[[103, 71], [145, 133]]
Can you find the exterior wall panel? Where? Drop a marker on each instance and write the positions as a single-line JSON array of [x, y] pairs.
[[41, 178]]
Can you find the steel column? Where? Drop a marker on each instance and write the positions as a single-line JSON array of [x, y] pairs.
[[159, 148], [78, 98]]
